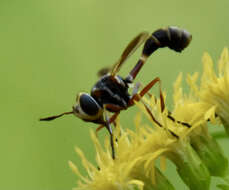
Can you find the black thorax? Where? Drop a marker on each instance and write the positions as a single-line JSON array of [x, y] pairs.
[[111, 90]]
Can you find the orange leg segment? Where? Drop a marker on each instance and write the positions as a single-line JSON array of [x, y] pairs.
[[145, 90]]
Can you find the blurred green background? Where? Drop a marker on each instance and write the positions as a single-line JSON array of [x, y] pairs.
[[51, 50]]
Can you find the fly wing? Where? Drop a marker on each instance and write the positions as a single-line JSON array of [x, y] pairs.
[[128, 51], [104, 71]]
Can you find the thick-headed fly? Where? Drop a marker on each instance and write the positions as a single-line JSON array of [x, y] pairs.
[[110, 93]]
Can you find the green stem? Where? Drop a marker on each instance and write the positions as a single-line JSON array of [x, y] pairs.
[[219, 135], [190, 167]]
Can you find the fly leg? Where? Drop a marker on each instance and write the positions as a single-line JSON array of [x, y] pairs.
[[108, 127], [111, 120], [137, 97]]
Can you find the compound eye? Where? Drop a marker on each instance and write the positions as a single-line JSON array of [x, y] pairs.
[[88, 104]]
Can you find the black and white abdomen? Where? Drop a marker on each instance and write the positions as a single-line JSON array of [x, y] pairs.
[[111, 90]]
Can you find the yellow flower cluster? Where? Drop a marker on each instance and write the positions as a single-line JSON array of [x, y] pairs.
[[180, 135], [214, 89], [134, 163]]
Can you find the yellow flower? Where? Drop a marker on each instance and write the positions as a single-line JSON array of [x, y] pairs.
[[214, 88], [136, 153], [180, 125], [132, 167], [189, 109]]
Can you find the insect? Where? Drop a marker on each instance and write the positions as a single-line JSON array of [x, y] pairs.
[[110, 92]]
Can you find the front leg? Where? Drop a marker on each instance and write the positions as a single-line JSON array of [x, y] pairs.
[[112, 118], [108, 127]]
